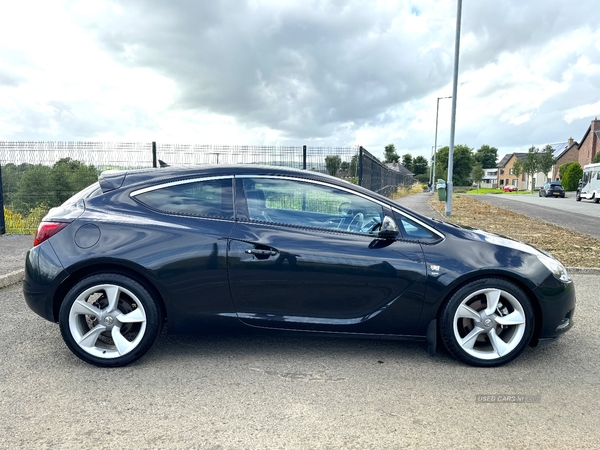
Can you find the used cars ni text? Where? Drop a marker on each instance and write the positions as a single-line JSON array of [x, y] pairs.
[[251, 248]]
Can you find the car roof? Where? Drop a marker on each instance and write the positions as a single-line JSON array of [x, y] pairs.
[[115, 179]]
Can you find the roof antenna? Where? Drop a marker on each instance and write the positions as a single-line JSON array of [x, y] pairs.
[[162, 163]]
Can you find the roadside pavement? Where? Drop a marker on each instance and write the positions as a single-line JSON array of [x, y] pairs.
[[13, 249], [420, 203]]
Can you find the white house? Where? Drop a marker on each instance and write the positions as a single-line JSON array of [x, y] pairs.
[[490, 178]]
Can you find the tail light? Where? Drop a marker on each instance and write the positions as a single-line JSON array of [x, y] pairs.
[[46, 230]]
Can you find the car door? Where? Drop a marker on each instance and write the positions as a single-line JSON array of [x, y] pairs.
[[301, 257], [185, 251]]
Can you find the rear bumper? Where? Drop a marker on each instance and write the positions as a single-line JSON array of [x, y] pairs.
[[43, 275]]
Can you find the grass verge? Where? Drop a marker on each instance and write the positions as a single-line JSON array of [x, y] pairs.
[[571, 248]]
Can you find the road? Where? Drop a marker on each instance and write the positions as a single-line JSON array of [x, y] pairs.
[[583, 216], [295, 392]]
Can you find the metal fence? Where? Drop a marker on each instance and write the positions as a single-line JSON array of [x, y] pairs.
[[35, 176]]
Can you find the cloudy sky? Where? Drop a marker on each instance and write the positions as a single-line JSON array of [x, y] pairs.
[[288, 72]]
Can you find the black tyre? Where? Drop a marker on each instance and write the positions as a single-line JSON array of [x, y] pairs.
[[109, 320], [487, 322]]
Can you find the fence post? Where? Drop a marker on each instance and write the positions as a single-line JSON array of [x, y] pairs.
[[304, 157], [2, 223], [154, 162], [360, 165]]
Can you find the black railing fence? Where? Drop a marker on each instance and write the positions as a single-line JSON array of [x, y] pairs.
[[376, 176], [35, 176]]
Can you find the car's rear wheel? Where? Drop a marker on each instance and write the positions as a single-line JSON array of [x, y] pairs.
[[487, 322], [109, 320]]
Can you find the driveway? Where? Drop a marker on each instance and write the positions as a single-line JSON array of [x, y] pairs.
[[582, 217]]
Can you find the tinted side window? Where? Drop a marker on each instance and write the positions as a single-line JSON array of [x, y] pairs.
[[307, 204], [413, 230], [212, 198]]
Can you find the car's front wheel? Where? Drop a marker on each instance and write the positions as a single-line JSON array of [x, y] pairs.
[[109, 320], [487, 322]]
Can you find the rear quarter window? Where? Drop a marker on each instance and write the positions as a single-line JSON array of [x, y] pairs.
[[213, 198]]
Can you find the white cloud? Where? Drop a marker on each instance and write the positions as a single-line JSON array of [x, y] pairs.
[[297, 72]]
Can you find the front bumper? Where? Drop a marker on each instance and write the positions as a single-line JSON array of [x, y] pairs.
[[557, 304]]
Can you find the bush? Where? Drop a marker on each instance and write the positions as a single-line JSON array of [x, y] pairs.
[[17, 224], [403, 191], [422, 178], [573, 174], [563, 168]]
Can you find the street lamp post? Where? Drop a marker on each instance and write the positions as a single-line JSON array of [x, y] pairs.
[[449, 186], [437, 113]]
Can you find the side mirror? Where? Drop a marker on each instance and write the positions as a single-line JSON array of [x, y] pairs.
[[387, 229]]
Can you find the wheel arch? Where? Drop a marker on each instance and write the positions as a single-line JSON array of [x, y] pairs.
[[105, 267], [506, 277]]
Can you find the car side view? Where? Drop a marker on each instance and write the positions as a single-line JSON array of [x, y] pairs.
[[232, 249]]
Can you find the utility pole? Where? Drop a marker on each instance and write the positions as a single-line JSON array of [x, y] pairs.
[[453, 120], [437, 113]]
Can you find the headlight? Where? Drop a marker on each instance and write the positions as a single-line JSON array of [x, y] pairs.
[[555, 267]]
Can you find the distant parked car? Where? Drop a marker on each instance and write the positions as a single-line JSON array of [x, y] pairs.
[[510, 188], [552, 189]]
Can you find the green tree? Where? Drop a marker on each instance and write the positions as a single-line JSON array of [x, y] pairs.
[[486, 156], [571, 177], [563, 168], [354, 166], [389, 154], [477, 174], [333, 163], [35, 189], [70, 176], [11, 179], [422, 178], [441, 163], [407, 162], [596, 158], [419, 165], [531, 165], [546, 158], [463, 164], [517, 168]]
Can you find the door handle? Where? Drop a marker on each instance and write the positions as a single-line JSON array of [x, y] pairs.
[[256, 251]]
